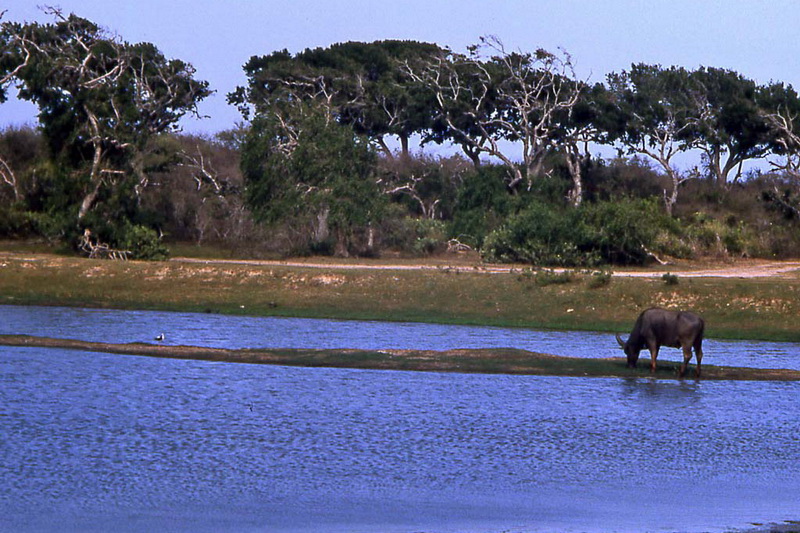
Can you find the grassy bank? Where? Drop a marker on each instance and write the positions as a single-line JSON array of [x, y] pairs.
[[761, 308], [485, 361]]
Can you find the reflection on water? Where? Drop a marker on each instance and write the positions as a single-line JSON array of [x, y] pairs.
[[256, 332], [95, 441]]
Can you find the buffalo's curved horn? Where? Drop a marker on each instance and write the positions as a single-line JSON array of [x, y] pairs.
[[620, 341]]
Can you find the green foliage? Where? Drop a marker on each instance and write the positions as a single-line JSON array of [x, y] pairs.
[[411, 235], [708, 235], [599, 279], [784, 200], [427, 186], [14, 223], [620, 232], [106, 110], [369, 89], [632, 177], [546, 277], [431, 236], [483, 203], [102, 103], [53, 226], [143, 243], [313, 173], [670, 279], [541, 235]]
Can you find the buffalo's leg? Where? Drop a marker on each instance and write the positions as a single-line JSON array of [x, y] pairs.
[[698, 353], [687, 356], [653, 357]]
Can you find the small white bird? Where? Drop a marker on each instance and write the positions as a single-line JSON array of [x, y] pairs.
[[160, 337]]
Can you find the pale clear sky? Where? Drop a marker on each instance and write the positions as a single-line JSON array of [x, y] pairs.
[[757, 38]]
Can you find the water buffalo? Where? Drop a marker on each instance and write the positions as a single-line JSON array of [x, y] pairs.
[[657, 327]]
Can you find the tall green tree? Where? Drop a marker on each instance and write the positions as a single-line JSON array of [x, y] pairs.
[[730, 128], [308, 171], [652, 113], [492, 95], [361, 84], [101, 101]]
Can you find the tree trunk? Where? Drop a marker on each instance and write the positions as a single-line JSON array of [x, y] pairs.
[[404, 147], [370, 238], [88, 200], [516, 179], [574, 164], [474, 155], [320, 228], [384, 147], [672, 199], [341, 246], [95, 181], [8, 178]]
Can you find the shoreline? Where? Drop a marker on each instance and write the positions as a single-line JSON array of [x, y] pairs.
[[484, 361]]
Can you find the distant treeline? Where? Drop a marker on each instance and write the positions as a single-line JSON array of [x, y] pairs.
[[311, 168]]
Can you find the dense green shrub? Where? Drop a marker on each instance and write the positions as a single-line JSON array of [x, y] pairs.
[[621, 232], [482, 205], [600, 278], [541, 234], [16, 223], [53, 226], [143, 243], [546, 277], [430, 236], [606, 180], [425, 186], [625, 231], [325, 184], [710, 236], [670, 278]]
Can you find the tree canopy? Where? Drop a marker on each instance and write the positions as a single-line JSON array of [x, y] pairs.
[[360, 83], [101, 100]]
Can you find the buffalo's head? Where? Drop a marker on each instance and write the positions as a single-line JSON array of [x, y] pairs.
[[630, 351]]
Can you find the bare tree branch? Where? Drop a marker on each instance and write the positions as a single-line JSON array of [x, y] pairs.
[[787, 139], [511, 96], [7, 176]]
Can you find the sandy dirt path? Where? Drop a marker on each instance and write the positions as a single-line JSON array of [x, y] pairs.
[[744, 269]]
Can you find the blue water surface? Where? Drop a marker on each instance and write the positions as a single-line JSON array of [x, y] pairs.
[[100, 442]]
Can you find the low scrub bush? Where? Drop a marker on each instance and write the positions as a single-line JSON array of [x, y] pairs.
[[707, 235], [546, 277], [430, 236], [143, 243], [543, 278], [621, 232], [482, 205], [599, 279], [626, 231], [16, 223], [670, 279], [415, 236], [540, 235]]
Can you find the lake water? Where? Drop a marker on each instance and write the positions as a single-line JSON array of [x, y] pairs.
[[98, 442]]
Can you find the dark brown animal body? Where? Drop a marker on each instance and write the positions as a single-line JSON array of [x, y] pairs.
[[657, 327]]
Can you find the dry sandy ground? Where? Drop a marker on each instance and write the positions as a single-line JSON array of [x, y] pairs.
[[742, 269]]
